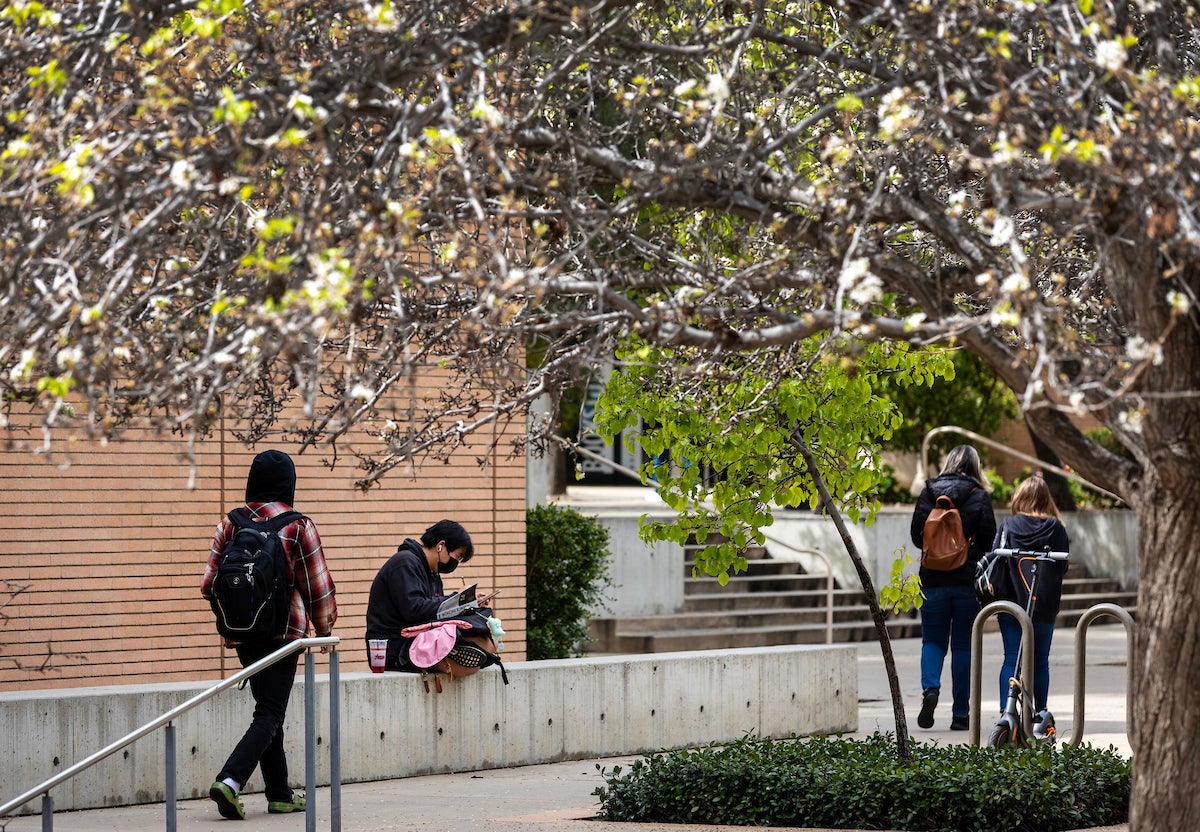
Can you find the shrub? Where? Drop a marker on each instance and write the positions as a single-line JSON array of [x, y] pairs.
[[566, 560], [860, 784]]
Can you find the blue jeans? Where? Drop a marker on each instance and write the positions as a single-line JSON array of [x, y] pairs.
[[1043, 634], [946, 620]]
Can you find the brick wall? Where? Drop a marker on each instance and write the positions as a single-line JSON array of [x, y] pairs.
[[110, 542]]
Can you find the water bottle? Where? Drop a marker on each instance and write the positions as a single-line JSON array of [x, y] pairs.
[[497, 632]]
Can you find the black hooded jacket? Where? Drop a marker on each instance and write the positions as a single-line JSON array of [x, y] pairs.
[[979, 524], [405, 592], [1024, 531], [272, 478]]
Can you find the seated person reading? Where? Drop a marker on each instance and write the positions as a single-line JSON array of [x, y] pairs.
[[408, 588]]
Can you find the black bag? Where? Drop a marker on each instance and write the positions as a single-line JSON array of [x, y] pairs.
[[991, 576], [250, 593]]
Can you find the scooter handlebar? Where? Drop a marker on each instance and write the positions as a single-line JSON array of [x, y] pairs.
[[1031, 553]]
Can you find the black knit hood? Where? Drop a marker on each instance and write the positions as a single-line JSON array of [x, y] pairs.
[[272, 478]]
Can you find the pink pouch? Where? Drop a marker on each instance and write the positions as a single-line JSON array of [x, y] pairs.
[[432, 642]]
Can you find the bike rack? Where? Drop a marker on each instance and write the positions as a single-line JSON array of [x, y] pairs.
[[1027, 662], [987, 612], [1081, 629], [166, 722]]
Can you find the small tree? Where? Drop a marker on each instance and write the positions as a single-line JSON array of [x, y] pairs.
[[566, 560], [805, 435]]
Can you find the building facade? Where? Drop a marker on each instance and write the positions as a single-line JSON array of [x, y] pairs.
[[102, 547]]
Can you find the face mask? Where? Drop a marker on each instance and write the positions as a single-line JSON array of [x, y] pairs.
[[447, 567]]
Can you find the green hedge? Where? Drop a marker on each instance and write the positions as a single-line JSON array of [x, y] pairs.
[[566, 573], [859, 784]]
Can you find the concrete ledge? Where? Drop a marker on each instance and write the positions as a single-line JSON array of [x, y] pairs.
[[390, 728]]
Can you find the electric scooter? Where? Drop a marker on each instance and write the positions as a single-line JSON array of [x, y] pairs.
[[1009, 730]]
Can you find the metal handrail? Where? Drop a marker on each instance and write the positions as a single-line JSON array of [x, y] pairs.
[[166, 719], [829, 583], [991, 443]]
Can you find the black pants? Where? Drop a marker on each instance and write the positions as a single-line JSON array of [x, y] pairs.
[[262, 744]]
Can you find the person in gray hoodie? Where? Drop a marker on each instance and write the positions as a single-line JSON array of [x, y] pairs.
[[1035, 524]]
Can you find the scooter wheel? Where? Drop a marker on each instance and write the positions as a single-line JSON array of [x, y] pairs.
[[1003, 736]]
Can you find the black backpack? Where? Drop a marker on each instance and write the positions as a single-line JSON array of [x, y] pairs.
[[250, 593]]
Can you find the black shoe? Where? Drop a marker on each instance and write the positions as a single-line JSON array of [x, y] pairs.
[[959, 723], [928, 703], [229, 804]]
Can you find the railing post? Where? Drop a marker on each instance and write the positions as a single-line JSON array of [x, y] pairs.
[[310, 745], [165, 720], [169, 776], [1081, 629], [335, 745], [1026, 668]]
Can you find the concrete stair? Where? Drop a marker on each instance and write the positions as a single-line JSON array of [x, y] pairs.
[[1082, 591], [776, 602]]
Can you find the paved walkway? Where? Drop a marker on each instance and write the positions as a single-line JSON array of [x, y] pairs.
[[558, 796]]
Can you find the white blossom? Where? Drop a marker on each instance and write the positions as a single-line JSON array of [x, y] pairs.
[[1015, 283], [24, 367], [1131, 420], [1110, 55], [1002, 231], [483, 110], [1139, 349], [895, 114], [684, 89], [183, 173], [69, 357], [716, 87], [857, 279], [1180, 302]]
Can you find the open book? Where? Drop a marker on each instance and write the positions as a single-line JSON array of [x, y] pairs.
[[459, 602]]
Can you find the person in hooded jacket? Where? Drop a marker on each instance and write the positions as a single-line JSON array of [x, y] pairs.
[[950, 606], [407, 590], [271, 491], [1034, 524]]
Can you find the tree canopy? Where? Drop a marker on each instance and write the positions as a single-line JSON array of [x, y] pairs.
[[210, 206]]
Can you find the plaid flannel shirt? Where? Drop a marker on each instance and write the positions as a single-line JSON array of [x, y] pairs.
[[313, 597]]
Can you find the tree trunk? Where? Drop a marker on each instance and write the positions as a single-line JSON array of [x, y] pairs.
[[903, 749], [1057, 483], [1165, 725]]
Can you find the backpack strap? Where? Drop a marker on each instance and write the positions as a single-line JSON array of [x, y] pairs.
[[241, 519]]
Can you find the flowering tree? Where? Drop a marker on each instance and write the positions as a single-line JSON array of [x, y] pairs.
[[211, 208]]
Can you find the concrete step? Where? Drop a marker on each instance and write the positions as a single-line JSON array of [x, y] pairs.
[[1083, 600], [1092, 585], [754, 568], [775, 602], [754, 583], [727, 600], [669, 641], [728, 619]]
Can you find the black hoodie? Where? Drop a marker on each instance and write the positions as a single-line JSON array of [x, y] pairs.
[[272, 478], [1024, 531]]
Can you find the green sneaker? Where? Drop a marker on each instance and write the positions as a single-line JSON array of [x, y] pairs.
[[228, 803], [282, 807]]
